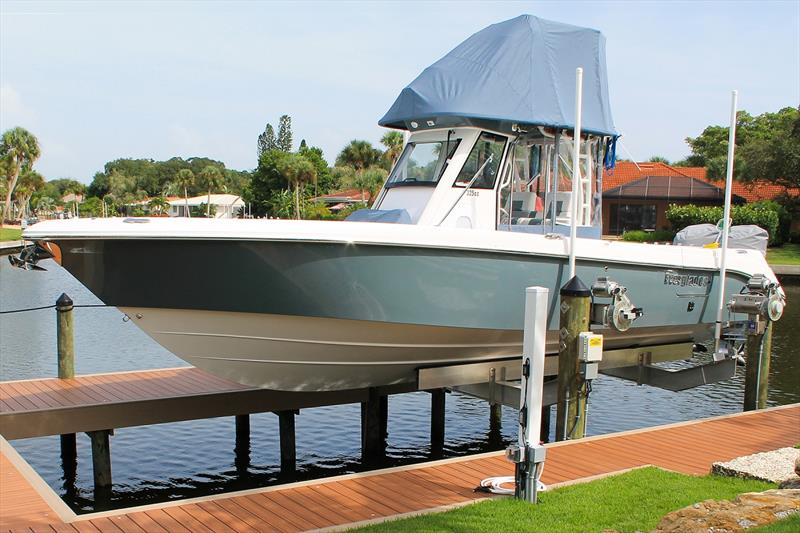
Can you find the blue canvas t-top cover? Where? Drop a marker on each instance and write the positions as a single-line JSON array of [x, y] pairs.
[[521, 71]]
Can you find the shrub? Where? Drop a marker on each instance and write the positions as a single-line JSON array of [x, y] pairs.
[[761, 214], [648, 236], [199, 211], [317, 211]]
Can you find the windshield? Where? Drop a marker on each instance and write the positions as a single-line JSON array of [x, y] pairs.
[[422, 163], [488, 145]]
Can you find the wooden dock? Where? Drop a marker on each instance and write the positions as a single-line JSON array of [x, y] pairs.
[[53, 406], [27, 504]]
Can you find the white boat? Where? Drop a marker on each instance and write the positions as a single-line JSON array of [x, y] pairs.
[[476, 209]]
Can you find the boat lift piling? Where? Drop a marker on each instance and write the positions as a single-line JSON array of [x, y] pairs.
[[758, 350], [575, 312]]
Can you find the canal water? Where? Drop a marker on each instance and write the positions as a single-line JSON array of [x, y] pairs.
[[188, 459]]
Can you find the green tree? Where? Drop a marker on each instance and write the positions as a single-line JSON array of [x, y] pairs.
[[185, 179], [19, 149], [158, 205], [282, 203], [393, 141], [773, 151], [212, 179], [298, 171], [324, 181], [266, 180], [92, 207], [109, 204], [367, 181], [28, 183], [76, 189], [266, 140], [360, 155], [45, 206], [658, 159], [767, 147], [285, 133]]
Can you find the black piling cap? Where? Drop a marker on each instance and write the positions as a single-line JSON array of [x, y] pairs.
[[64, 301], [575, 287]]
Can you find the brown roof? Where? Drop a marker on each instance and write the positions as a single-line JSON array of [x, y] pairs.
[[675, 188], [626, 172]]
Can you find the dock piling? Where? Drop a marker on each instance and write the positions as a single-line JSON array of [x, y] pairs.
[[495, 416], [66, 343], [574, 318], [66, 370], [372, 432], [384, 420], [101, 459], [545, 430], [437, 422], [288, 443], [758, 350], [242, 448]]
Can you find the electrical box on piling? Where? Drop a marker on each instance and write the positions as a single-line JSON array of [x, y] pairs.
[[590, 347]]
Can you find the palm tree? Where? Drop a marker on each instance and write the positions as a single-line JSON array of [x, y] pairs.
[[185, 179], [45, 205], [158, 205], [75, 189], [360, 155], [393, 141], [368, 181], [18, 148], [110, 205], [211, 177], [298, 171], [29, 182]]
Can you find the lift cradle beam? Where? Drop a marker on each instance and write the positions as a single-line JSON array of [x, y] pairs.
[[676, 380]]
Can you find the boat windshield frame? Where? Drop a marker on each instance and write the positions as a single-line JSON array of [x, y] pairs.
[[439, 169]]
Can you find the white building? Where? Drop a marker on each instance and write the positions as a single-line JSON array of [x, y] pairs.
[[227, 205]]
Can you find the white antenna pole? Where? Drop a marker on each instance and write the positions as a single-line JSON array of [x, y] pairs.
[[576, 170], [726, 216]]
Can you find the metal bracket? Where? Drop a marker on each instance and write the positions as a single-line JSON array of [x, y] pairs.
[[675, 380]]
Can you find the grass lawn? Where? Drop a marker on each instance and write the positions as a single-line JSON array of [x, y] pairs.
[[8, 234], [788, 254], [634, 501]]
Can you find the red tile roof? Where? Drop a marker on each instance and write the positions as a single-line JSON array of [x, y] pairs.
[[627, 171], [349, 194]]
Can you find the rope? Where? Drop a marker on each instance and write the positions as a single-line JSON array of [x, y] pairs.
[[10, 311]]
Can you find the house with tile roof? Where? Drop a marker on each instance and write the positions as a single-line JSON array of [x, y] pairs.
[[636, 195], [339, 200]]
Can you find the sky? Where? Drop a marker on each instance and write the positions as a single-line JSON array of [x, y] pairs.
[[97, 81]]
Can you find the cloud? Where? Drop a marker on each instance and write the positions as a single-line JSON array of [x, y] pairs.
[[13, 111]]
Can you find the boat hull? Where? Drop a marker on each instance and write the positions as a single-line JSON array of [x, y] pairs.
[[308, 353], [335, 315]]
